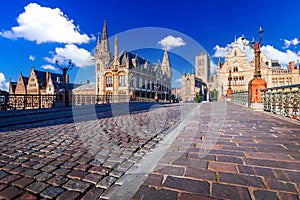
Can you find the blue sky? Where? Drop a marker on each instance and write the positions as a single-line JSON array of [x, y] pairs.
[[36, 33]]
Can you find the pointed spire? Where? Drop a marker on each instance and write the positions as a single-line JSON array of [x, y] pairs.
[[99, 39], [219, 62], [184, 73], [235, 39], [193, 71], [104, 32], [116, 62], [166, 61]]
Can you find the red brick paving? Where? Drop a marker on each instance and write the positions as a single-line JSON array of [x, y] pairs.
[[256, 157]]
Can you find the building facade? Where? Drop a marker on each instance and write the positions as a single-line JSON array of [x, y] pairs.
[[192, 86], [126, 74], [242, 72]]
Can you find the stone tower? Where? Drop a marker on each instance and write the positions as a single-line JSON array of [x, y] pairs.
[[102, 55], [165, 65], [203, 66]]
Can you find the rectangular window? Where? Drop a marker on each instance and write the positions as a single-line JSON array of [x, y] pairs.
[[109, 82], [122, 82]]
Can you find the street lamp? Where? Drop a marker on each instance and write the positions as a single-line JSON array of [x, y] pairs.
[[156, 89], [65, 71], [229, 90], [257, 83], [256, 47]]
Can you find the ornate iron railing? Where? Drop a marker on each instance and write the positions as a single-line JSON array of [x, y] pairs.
[[282, 100], [26, 101], [101, 99], [241, 98], [35, 101]]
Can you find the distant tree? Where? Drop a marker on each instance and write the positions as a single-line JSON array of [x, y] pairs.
[[198, 98]]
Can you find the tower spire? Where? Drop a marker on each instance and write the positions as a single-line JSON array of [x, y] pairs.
[[99, 39], [166, 66], [116, 61], [104, 31]]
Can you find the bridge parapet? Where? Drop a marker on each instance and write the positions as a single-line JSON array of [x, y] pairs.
[[283, 100], [241, 98]]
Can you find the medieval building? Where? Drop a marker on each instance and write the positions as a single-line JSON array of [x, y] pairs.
[[128, 75], [242, 72]]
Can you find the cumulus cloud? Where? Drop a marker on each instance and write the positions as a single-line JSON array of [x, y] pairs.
[[219, 52], [3, 83], [288, 43], [170, 42], [80, 57], [179, 80], [32, 58], [44, 24], [49, 67], [283, 57]]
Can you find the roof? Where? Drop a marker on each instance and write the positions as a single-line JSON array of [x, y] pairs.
[[86, 87], [275, 64], [25, 79], [41, 76]]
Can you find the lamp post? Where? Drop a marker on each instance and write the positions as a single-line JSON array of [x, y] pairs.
[[65, 71], [257, 83], [229, 90], [156, 89]]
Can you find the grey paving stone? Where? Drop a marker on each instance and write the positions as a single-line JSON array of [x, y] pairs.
[[77, 185], [52, 192], [43, 176], [36, 187], [106, 182]]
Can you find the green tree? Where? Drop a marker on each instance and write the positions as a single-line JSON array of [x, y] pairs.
[[198, 98]]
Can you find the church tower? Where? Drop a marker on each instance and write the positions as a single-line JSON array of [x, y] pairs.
[[102, 55], [203, 66], [165, 65]]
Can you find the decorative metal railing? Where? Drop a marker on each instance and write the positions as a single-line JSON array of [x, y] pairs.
[[283, 100], [26, 101], [35, 101], [241, 98], [101, 99]]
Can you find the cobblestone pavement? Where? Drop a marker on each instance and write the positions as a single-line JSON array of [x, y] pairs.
[[255, 156], [79, 160], [240, 155]]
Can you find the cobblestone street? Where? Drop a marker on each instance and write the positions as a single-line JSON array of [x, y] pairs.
[[224, 151], [78, 160]]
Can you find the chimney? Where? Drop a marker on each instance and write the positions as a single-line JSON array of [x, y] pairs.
[[87, 82], [291, 65], [47, 77], [67, 78]]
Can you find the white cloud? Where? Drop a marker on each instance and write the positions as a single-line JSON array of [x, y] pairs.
[[179, 80], [49, 67], [80, 57], [3, 84], [219, 52], [170, 42], [283, 57], [288, 43], [44, 24], [32, 58]]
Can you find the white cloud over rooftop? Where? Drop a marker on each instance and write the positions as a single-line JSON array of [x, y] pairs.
[[170, 42], [44, 24]]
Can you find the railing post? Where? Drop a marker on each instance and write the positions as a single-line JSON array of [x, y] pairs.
[[299, 103]]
